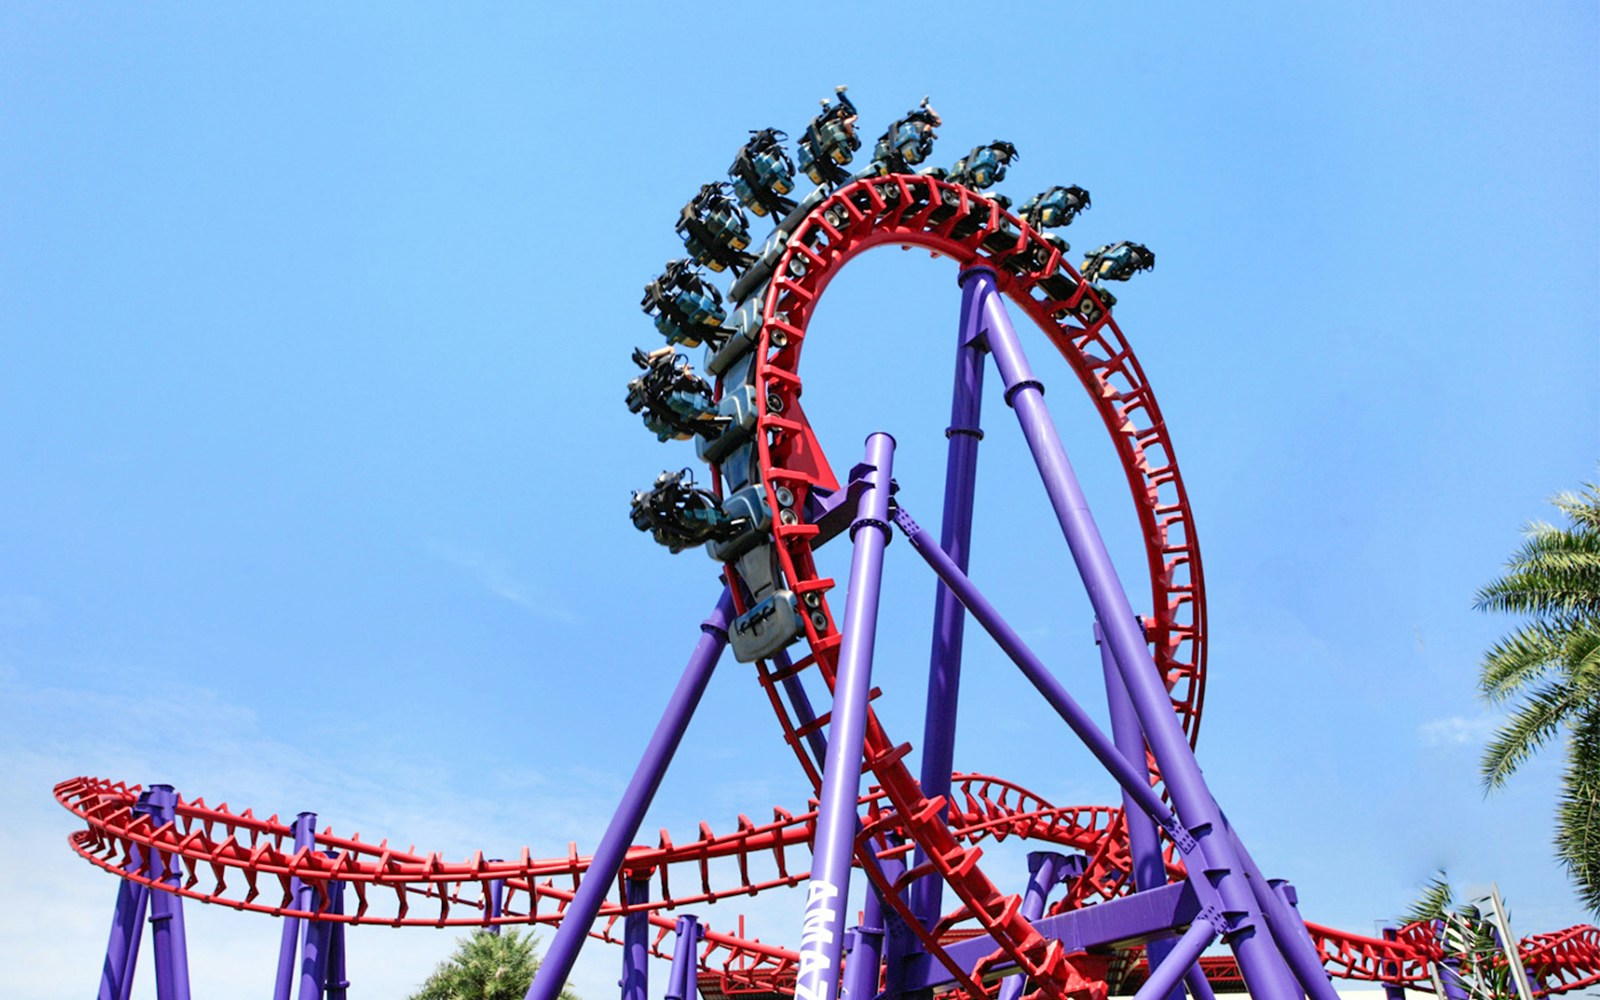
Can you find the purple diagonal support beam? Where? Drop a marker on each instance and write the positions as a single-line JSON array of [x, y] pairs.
[[1164, 978], [1044, 870], [601, 874], [1144, 844], [1260, 959], [305, 839], [822, 931], [635, 982], [127, 930], [166, 908], [949, 617]]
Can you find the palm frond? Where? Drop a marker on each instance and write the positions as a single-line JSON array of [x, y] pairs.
[[1435, 901], [1578, 815], [1518, 660], [1528, 729], [1556, 573]]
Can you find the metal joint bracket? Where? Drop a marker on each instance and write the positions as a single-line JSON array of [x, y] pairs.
[[871, 522], [1031, 383], [971, 432], [908, 526]]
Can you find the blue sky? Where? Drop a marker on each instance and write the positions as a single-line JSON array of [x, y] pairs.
[[316, 324]]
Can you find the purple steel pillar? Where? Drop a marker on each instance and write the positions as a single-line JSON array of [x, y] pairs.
[[1144, 844], [607, 861], [127, 928], [861, 972], [1448, 970], [317, 940], [334, 979], [305, 839], [496, 902], [635, 981], [1260, 958], [822, 932], [949, 617], [1044, 869], [681, 980], [1392, 989], [166, 908]]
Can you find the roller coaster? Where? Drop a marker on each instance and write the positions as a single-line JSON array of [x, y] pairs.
[[1116, 898]]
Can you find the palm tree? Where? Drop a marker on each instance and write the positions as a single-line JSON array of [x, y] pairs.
[[1549, 669], [487, 966]]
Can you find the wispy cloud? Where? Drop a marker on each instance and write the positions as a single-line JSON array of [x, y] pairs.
[[1456, 730], [495, 574]]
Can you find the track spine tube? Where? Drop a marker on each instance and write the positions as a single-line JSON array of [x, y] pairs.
[[597, 881], [822, 933], [1260, 959], [949, 617], [1144, 843]]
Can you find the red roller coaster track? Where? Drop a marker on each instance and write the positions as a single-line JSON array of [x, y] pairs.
[[238, 860]]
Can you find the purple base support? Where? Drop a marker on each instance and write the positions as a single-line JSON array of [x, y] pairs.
[[635, 981], [1199, 985], [822, 932], [1260, 960], [1044, 870], [305, 839], [681, 983], [601, 874], [1164, 978], [862, 972]]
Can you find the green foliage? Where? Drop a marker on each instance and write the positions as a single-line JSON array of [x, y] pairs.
[[487, 967], [1475, 960], [1548, 670]]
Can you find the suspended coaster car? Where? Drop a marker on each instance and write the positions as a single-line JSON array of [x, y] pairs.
[[1055, 207], [1118, 262], [830, 141], [715, 231], [762, 174], [984, 167], [908, 141], [687, 309], [681, 515], [676, 404]]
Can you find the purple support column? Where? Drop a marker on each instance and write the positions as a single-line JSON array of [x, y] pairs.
[[1448, 970], [1044, 869], [607, 861], [1260, 959], [317, 940], [495, 903], [681, 980], [304, 828], [334, 973], [822, 932], [127, 929], [949, 617], [1393, 989], [166, 908], [1144, 844], [861, 972], [635, 981]]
